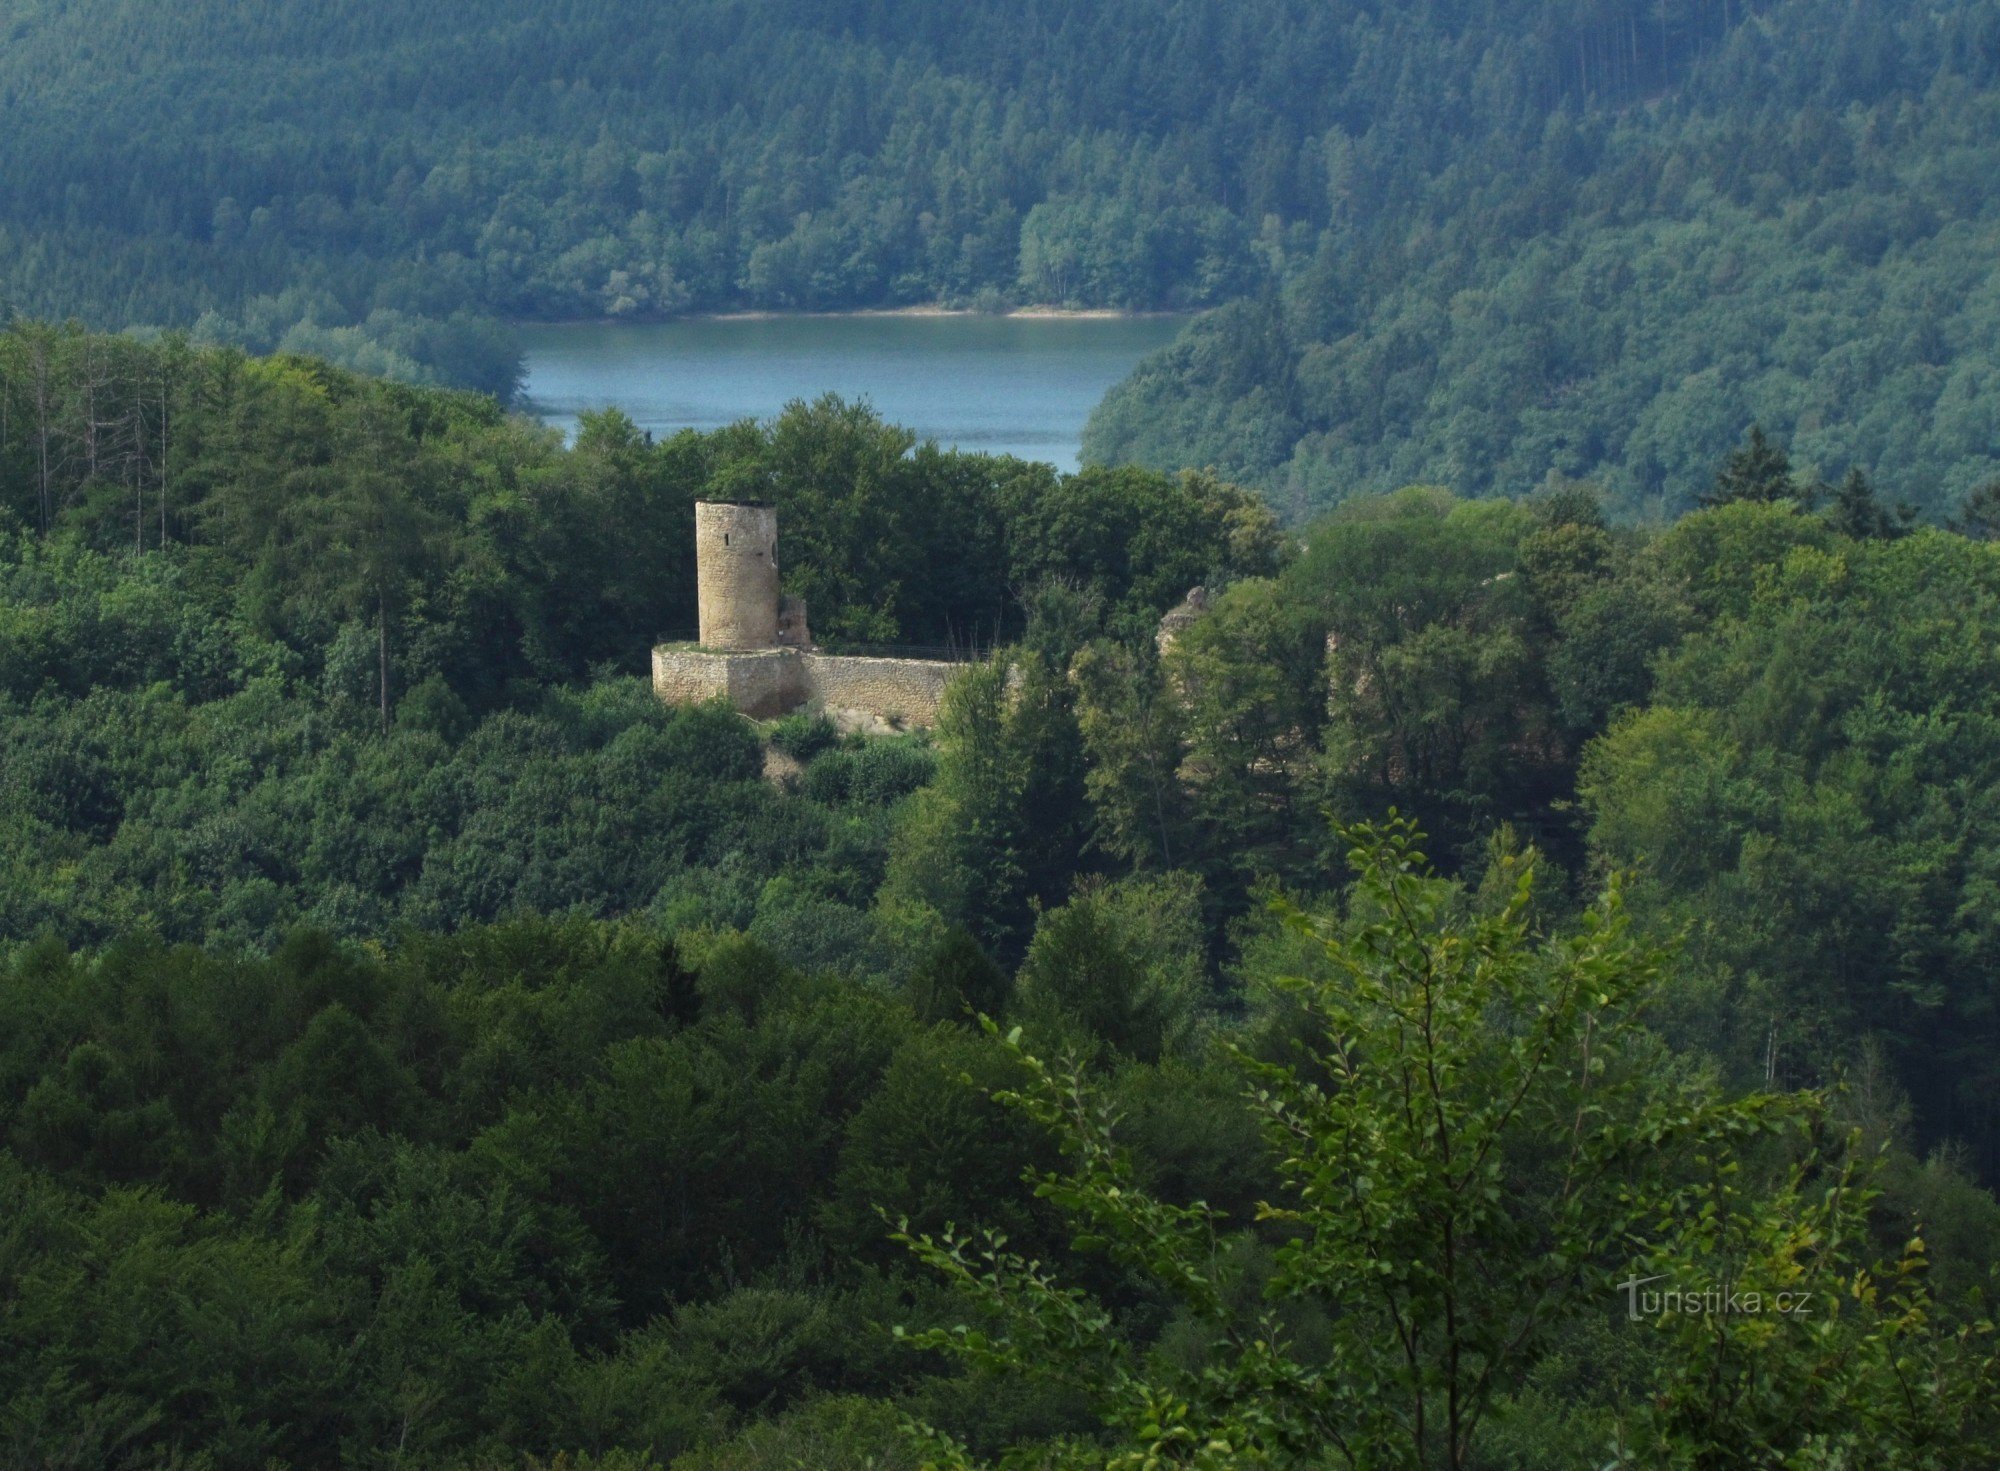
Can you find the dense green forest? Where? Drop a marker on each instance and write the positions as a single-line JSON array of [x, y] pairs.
[[1552, 868], [1464, 243], [1801, 231], [419, 1047], [535, 159]]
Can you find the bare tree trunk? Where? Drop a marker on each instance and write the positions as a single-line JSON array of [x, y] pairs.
[[138, 477], [90, 386], [382, 655], [166, 446], [93, 426], [44, 504]]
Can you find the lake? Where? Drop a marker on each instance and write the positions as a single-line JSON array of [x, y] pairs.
[[1002, 385]]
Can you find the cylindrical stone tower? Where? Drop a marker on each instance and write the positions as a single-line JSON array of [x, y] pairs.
[[736, 573]]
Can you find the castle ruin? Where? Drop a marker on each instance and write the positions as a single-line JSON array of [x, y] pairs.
[[755, 650]]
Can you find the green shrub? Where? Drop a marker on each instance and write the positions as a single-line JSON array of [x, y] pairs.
[[803, 736]]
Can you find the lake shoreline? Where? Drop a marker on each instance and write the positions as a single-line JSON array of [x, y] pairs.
[[975, 381], [933, 309]]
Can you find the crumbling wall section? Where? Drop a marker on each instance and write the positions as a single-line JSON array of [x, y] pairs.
[[764, 683], [900, 691], [685, 677], [767, 683]]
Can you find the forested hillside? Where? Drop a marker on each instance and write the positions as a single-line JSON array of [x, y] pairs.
[[373, 181], [377, 607], [420, 1047], [1480, 801], [1461, 243], [1800, 231]]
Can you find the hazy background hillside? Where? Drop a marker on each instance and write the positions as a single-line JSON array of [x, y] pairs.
[[1802, 232], [355, 175], [1470, 241]]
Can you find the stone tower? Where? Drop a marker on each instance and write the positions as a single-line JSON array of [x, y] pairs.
[[736, 574]]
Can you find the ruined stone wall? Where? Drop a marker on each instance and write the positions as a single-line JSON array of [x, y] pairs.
[[762, 682], [766, 683], [793, 632], [685, 677], [900, 691], [736, 574]]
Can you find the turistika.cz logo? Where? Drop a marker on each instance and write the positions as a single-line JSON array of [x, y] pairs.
[[1708, 1302]]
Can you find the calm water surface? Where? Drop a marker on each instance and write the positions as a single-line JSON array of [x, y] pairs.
[[1003, 385]]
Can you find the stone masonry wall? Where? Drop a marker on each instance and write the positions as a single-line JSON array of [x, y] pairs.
[[771, 682], [760, 682], [901, 691], [766, 685], [684, 677]]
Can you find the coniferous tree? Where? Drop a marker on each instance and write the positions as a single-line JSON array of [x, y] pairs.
[[1756, 471], [1978, 515], [1858, 512]]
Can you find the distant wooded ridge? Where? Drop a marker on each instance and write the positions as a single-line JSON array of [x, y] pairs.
[[1461, 243], [346, 177]]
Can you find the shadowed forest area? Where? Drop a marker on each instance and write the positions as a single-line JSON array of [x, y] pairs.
[[420, 1047]]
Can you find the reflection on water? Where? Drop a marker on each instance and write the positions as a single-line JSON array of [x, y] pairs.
[[1004, 385]]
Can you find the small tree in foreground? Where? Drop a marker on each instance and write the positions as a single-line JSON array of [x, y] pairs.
[[1477, 1143]]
